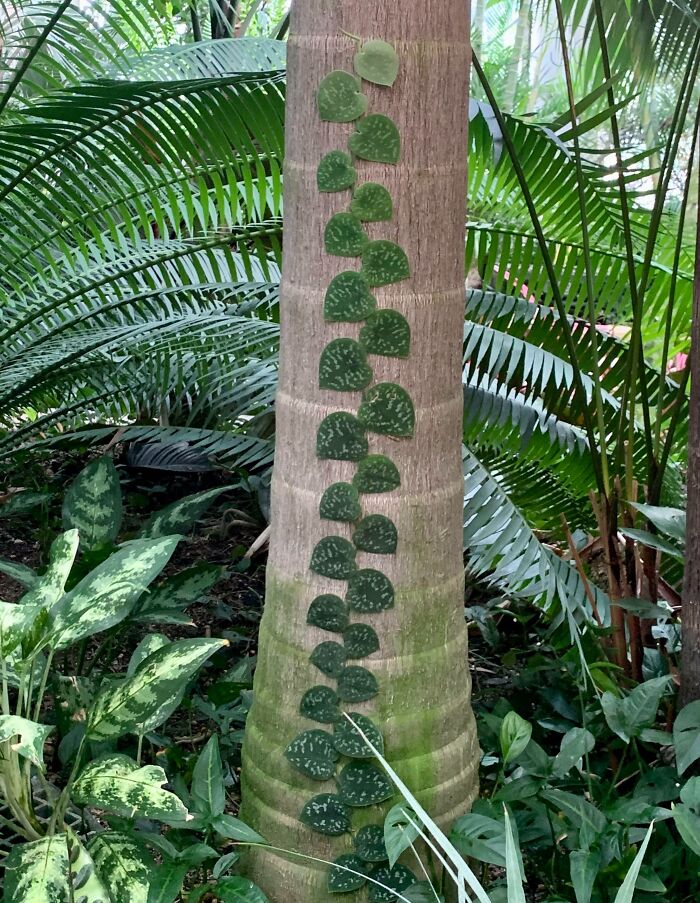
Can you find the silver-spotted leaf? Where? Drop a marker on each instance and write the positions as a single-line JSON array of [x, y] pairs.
[[38, 872], [384, 262], [357, 684], [339, 97], [344, 236], [320, 704], [117, 784], [386, 332], [348, 740], [313, 754], [326, 814], [182, 515], [93, 504], [335, 172], [341, 437], [363, 784], [376, 473], [123, 865], [348, 298], [329, 657], [360, 640], [377, 62], [343, 367], [376, 533], [387, 409], [147, 698], [346, 874], [26, 738], [328, 612], [333, 557], [341, 501], [397, 878], [369, 844], [144, 648], [370, 591], [376, 138], [372, 203]]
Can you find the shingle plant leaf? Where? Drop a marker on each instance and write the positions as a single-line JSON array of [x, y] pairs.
[[335, 172], [386, 332], [376, 533], [372, 203], [376, 473], [348, 298], [377, 62], [363, 784], [370, 591], [387, 409], [333, 557], [328, 612], [329, 657], [356, 684], [320, 704], [349, 742], [369, 844], [384, 262], [398, 878], [377, 139], [360, 640], [343, 367], [313, 753], [326, 814], [341, 501], [341, 437], [344, 236], [342, 881], [340, 98]]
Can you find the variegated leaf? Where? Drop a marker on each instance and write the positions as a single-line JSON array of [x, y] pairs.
[[164, 603], [147, 698], [38, 872], [26, 737], [123, 865], [180, 516], [93, 504], [117, 784], [146, 647], [109, 592], [49, 588], [85, 883], [19, 572]]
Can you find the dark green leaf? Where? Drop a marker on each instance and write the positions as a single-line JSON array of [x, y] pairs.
[[349, 742], [341, 437], [377, 62], [369, 844], [514, 736], [370, 591], [208, 792], [340, 502], [386, 332], [329, 657], [314, 754], [181, 516], [376, 473], [334, 557], [348, 298], [328, 612], [397, 878], [339, 97], [399, 831], [384, 262], [344, 236], [342, 881], [326, 814], [363, 784], [387, 409], [376, 533], [360, 640], [93, 504], [686, 736], [320, 704], [336, 172], [372, 203], [234, 889], [356, 684], [343, 367]]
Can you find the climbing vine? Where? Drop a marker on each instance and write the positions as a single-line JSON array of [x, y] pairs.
[[385, 408]]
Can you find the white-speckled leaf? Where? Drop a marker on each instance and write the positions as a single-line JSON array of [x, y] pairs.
[[180, 516], [384, 262], [343, 367], [93, 504], [363, 784], [109, 592], [118, 785], [147, 698], [26, 737], [341, 438], [372, 203], [376, 138], [339, 97], [387, 409], [348, 298], [344, 236], [86, 884], [38, 872], [123, 865]]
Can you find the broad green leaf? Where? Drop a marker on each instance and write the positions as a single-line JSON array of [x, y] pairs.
[[653, 542], [370, 591], [38, 872], [386, 332], [422, 892], [356, 684], [376, 138], [146, 647], [387, 408], [688, 824], [343, 367], [369, 840], [582, 814], [372, 203], [339, 97], [515, 735], [27, 738], [166, 882], [341, 437], [360, 640], [376, 534], [313, 754], [341, 501], [326, 814], [584, 866], [480, 837], [125, 868], [686, 736], [378, 62], [233, 828], [93, 504], [164, 603], [329, 612], [669, 521], [384, 262], [117, 784], [376, 473], [363, 784], [516, 892], [108, 593], [348, 873], [208, 792], [50, 586], [626, 892], [574, 745], [235, 889], [320, 703], [147, 698], [335, 172], [627, 716], [181, 516], [329, 658], [400, 832], [348, 740]]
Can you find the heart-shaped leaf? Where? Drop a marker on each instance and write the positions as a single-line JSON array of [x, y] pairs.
[[320, 704], [341, 501], [339, 97], [326, 814], [384, 262], [357, 684], [360, 640], [369, 844], [363, 784], [343, 367], [377, 62], [341, 880], [313, 754], [386, 332], [335, 172], [370, 591], [333, 557], [329, 657], [387, 408], [344, 236], [376, 138], [349, 742], [341, 437], [376, 473], [328, 612], [372, 203], [376, 533], [398, 878], [348, 298]]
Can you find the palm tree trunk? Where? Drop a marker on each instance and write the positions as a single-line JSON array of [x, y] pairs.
[[421, 668], [690, 656]]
